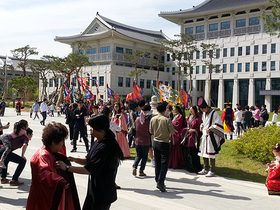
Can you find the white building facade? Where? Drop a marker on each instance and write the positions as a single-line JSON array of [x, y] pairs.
[[249, 58]]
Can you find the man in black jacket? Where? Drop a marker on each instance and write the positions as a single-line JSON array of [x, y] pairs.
[[263, 115]]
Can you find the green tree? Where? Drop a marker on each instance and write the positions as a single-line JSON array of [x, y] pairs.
[[22, 54], [211, 51], [25, 86], [271, 17]]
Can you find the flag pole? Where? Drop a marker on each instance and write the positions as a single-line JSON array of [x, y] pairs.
[[5, 80]]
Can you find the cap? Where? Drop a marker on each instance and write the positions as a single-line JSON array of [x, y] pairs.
[[201, 103]]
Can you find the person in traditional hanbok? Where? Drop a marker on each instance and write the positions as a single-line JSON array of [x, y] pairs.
[[273, 179], [228, 118], [190, 141], [52, 188], [119, 119], [176, 156], [212, 137]]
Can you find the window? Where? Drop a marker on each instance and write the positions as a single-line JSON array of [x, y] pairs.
[[148, 86], [105, 49], [81, 52], [239, 67], [217, 69], [104, 64], [142, 81], [263, 66], [119, 49], [129, 51], [119, 64], [247, 67], [273, 48], [272, 65], [166, 83], [191, 56], [225, 52], [239, 51], [61, 81], [173, 84], [154, 83], [93, 82], [197, 69], [224, 68], [189, 30], [91, 51], [247, 50], [232, 67], [218, 53], [204, 54], [213, 27], [74, 81], [101, 80], [167, 69], [197, 54], [173, 70], [264, 49], [120, 81], [127, 82], [240, 23], [50, 82], [185, 84], [232, 51], [168, 57], [203, 69], [225, 25], [256, 49], [254, 21], [256, 66], [199, 29]]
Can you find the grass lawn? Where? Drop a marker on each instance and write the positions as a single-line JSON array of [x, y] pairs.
[[233, 165]]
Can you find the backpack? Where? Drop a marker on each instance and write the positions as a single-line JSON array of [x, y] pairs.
[[266, 116]]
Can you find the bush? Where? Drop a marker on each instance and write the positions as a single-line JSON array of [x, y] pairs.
[[257, 143]]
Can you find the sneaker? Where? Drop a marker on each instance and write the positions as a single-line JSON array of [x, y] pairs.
[[134, 172], [210, 174], [153, 162], [4, 181], [2, 165], [15, 183], [142, 174], [161, 187], [202, 172], [73, 150]]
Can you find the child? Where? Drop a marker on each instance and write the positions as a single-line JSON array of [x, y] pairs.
[[19, 130], [274, 117], [52, 108], [58, 111], [273, 179]]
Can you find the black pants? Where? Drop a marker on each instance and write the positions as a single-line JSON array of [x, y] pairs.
[[71, 131], [83, 133], [191, 159], [44, 115], [161, 156]]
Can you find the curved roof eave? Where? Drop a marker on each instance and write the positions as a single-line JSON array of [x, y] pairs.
[[81, 36]]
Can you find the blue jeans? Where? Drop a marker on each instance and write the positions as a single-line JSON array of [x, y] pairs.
[[15, 159], [36, 115], [161, 156], [142, 154], [238, 127]]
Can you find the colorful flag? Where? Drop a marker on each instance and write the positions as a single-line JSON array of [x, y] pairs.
[[165, 92], [88, 94], [1, 63], [73, 92], [83, 82], [67, 92], [129, 97], [157, 92], [8, 61], [111, 93], [185, 97], [137, 91], [173, 96]]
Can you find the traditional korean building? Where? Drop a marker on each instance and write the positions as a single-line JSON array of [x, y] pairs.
[[249, 57]]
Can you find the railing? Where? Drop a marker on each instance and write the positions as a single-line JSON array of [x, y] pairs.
[[199, 36]]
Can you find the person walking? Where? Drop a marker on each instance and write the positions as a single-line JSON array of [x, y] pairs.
[[43, 109], [18, 107], [238, 118], [212, 136], [35, 108], [257, 116], [247, 118], [263, 115], [3, 107], [274, 117], [161, 127]]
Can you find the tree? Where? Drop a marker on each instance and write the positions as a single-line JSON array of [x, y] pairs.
[[25, 86], [211, 51], [271, 24], [22, 54], [81, 45], [136, 57], [158, 53]]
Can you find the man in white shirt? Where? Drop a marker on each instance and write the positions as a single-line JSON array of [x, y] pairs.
[[43, 110]]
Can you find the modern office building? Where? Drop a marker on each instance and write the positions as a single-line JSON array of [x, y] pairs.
[[106, 42], [249, 58]]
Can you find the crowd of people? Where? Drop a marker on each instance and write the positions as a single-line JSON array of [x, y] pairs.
[[171, 139]]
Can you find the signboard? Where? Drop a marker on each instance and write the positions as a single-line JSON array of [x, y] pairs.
[[270, 92]]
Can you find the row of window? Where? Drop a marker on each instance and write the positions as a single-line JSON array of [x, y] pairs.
[[104, 50], [240, 67], [55, 82], [223, 25]]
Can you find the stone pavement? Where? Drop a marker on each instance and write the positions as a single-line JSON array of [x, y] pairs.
[[184, 190]]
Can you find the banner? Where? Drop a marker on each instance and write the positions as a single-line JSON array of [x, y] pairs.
[[137, 91], [83, 82], [173, 96], [88, 94], [185, 97], [67, 93], [111, 93], [8, 61], [165, 92], [157, 92]]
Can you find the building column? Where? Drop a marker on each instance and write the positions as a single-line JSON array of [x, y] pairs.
[[221, 94], [194, 92], [251, 93], [268, 98], [235, 95]]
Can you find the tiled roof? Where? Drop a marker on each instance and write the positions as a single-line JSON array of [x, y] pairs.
[[212, 5]]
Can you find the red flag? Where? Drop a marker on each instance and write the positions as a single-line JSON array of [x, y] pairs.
[[185, 97], [137, 91], [130, 97]]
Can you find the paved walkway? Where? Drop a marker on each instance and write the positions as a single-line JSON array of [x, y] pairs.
[[184, 190]]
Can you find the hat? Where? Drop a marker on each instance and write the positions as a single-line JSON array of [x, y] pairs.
[[201, 103]]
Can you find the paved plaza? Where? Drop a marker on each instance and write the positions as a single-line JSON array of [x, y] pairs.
[[184, 190]]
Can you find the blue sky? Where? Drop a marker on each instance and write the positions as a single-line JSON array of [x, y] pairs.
[[37, 22]]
